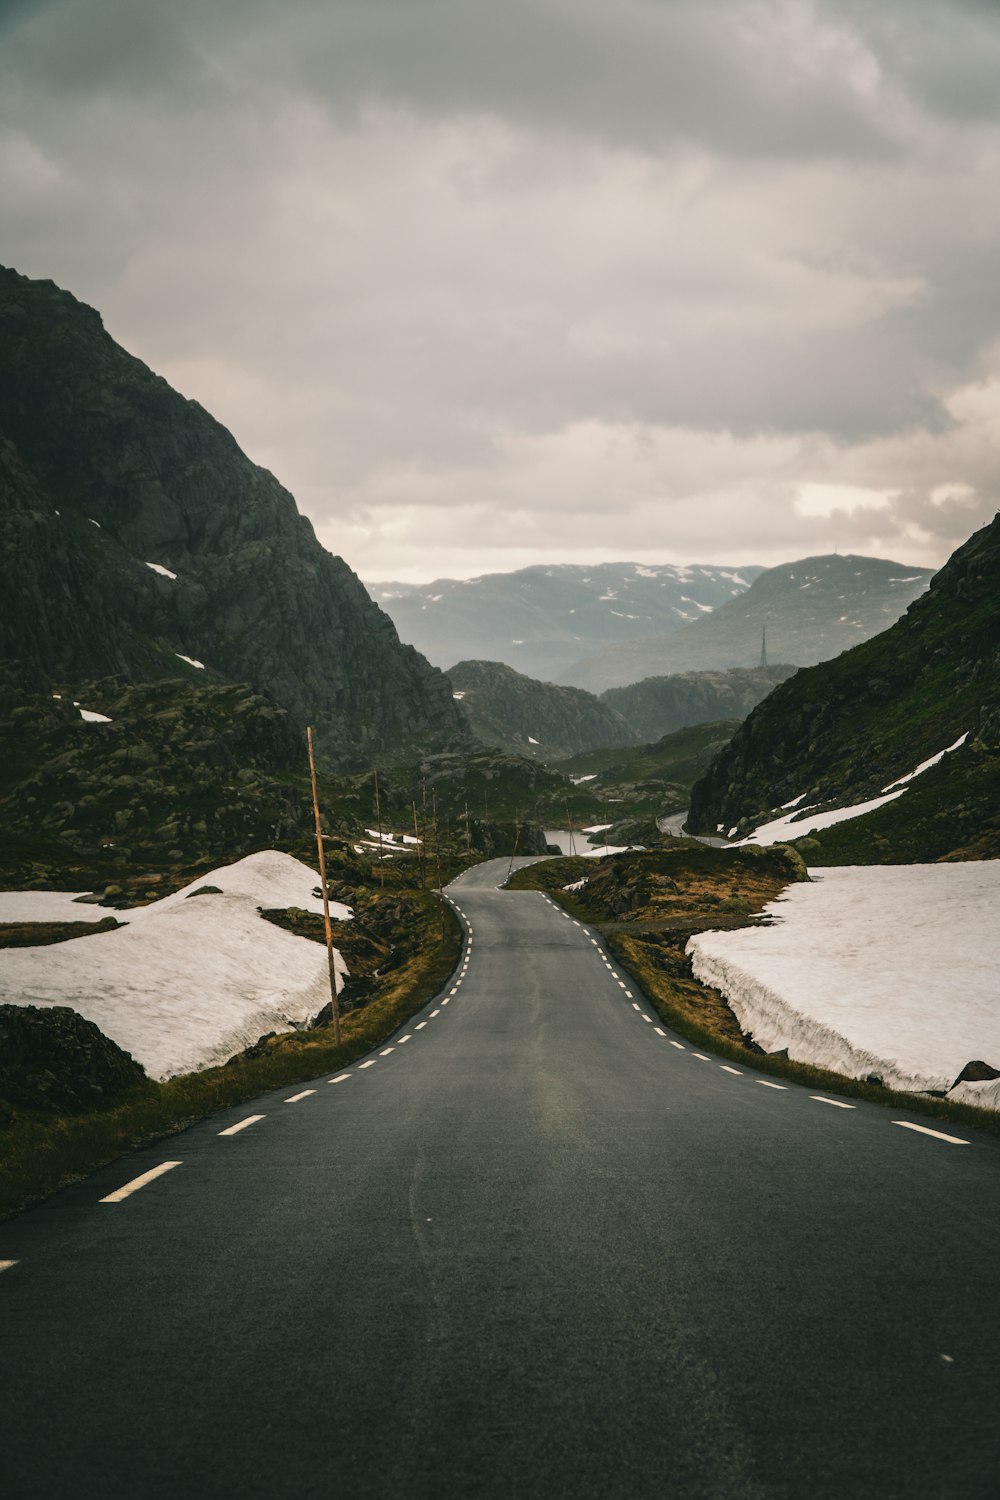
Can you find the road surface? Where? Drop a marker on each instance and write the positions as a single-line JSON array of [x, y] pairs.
[[536, 1245]]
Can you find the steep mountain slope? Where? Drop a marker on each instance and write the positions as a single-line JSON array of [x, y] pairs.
[[811, 610], [515, 712], [660, 705], [844, 732], [538, 620], [138, 539]]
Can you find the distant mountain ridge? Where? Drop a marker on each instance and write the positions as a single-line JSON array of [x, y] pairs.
[[811, 610], [540, 619], [139, 540], [538, 719], [844, 732], [658, 706]]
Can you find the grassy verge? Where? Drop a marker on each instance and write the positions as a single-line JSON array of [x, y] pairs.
[[39, 1154], [658, 967]]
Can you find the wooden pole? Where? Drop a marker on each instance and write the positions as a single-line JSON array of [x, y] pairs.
[[517, 835], [572, 841], [420, 848], [468, 832], [378, 825], [334, 1002], [437, 857]]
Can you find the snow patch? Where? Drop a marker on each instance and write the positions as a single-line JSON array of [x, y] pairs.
[[49, 906], [579, 780], [192, 978], [94, 718], [886, 969], [458, 696], [190, 661], [159, 568], [531, 741], [925, 765]]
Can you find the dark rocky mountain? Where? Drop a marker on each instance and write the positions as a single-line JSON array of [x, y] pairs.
[[138, 540], [841, 733], [811, 610], [540, 619], [537, 719], [661, 705]]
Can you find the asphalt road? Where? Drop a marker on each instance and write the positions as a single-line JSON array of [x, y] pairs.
[[538, 1249]]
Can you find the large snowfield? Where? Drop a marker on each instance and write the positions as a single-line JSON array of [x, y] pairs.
[[886, 969], [191, 979]]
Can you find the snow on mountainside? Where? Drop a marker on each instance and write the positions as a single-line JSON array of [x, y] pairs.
[[539, 619], [888, 970], [191, 979], [924, 696], [811, 610]]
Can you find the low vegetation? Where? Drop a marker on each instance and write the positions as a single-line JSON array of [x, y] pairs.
[[646, 905], [411, 931]]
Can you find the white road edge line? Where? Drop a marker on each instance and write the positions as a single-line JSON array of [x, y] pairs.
[[242, 1125], [433, 1014], [419, 1027], [954, 1140], [139, 1182], [387, 1051], [634, 1006], [701, 1056], [296, 1097], [446, 1000], [726, 1069], [407, 1038], [679, 1045], [659, 1032], [837, 1103], [343, 1077], [629, 993], [767, 1084], [369, 1064]]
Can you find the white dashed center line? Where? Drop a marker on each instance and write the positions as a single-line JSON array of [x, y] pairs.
[[939, 1135], [767, 1084], [837, 1103], [304, 1095], [139, 1182], [235, 1129], [726, 1069]]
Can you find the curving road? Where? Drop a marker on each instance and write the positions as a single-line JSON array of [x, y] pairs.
[[535, 1246]]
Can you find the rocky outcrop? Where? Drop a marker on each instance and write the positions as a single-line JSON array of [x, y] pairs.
[[658, 706], [106, 470], [837, 734], [53, 1060], [536, 719]]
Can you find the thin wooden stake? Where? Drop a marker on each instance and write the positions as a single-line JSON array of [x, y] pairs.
[[572, 841], [437, 857], [468, 832], [420, 848], [334, 1002]]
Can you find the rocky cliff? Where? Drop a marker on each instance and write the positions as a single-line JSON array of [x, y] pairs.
[[139, 540], [841, 733], [536, 719]]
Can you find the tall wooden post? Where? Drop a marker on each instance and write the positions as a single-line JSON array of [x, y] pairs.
[[334, 1002], [468, 832], [572, 840], [437, 857], [420, 848]]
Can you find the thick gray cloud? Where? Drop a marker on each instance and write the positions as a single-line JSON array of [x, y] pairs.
[[493, 284]]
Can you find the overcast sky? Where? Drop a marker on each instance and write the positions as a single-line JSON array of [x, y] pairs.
[[488, 284]]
